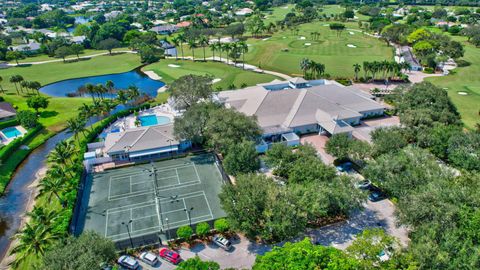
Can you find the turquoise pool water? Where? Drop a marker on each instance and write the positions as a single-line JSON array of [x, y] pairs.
[[11, 132], [152, 120]]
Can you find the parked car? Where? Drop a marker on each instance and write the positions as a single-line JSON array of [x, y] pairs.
[[149, 258], [222, 242], [169, 255], [376, 195], [363, 184], [128, 262], [344, 167]]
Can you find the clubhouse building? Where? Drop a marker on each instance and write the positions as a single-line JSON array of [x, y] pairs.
[[287, 109]]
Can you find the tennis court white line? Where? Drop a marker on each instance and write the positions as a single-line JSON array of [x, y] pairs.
[[143, 192], [208, 204], [196, 172], [137, 205], [163, 169]]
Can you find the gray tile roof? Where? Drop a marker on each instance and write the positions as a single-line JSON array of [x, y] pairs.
[[7, 110], [289, 108], [140, 139]]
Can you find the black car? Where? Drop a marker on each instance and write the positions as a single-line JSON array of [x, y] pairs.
[[376, 195]]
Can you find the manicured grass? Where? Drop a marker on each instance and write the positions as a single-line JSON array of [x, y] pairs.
[[464, 79], [284, 50], [44, 57], [228, 74], [277, 13], [61, 109]]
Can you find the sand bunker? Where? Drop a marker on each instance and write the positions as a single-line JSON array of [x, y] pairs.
[[351, 33], [266, 39], [351, 46], [303, 38], [308, 44], [216, 80], [173, 66], [462, 93]]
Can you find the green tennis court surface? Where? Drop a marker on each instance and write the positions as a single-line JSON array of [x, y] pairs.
[[155, 199]]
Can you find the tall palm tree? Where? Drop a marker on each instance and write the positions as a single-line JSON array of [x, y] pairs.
[[192, 44], [366, 69], [1, 87], [122, 97], [213, 47], [234, 49], [133, 92], [203, 41], [227, 47], [20, 80], [356, 69], [318, 69], [15, 79], [91, 90], [59, 171], [33, 239], [76, 126], [176, 42], [182, 39], [52, 186], [62, 153], [101, 89], [24, 84], [35, 86], [304, 66], [110, 86], [43, 216], [244, 49]]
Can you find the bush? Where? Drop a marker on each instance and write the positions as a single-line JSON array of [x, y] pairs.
[[6, 151], [428, 70], [27, 119], [185, 232], [221, 225], [8, 123], [462, 63], [202, 229]]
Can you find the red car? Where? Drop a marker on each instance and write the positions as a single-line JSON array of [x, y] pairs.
[[169, 255]]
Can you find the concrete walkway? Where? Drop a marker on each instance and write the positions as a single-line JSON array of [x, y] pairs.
[[66, 59], [238, 65]]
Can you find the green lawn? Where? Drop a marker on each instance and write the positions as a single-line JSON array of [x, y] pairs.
[[277, 13], [329, 49], [61, 109], [464, 79], [228, 74], [44, 57]]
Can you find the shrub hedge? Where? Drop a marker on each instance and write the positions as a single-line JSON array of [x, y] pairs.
[[6, 151], [9, 123]]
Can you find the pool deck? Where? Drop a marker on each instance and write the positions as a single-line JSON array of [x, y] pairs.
[[3, 138]]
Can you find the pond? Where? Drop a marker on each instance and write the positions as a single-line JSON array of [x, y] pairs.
[[120, 80]]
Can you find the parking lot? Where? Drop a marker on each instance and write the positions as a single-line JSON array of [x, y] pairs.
[[340, 235], [362, 131]]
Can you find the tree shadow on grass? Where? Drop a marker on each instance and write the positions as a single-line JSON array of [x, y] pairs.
[[48, 114], [24, 65]]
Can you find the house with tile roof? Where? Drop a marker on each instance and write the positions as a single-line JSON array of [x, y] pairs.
[[7, 112], [286, 109]]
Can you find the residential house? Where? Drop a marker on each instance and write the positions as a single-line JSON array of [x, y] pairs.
[[7, 112]]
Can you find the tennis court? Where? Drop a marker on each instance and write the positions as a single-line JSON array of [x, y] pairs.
[[154, 199]]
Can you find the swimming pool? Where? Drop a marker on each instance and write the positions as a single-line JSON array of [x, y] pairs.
[[152, 120], [11, 132]]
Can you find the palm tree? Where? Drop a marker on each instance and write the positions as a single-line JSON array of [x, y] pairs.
[[356, 69], [33, 239], [20, 80], [62, 153], [122, 97], [76, 126], [234, 49], [133, 92], [304, 66], [182, 39], [52, 186], [1, 88], [204, 43], [244, 49], [91, 90], [43, 216], [35, 86], [366, 69], [15, 79], [110, 86], [59, 171], [192, 44], [101, 89], [317, 70], [176, 42], [24, 84], [227, 47], [213, 46]]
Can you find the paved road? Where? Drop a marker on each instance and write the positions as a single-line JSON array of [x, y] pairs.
[[340, 235]]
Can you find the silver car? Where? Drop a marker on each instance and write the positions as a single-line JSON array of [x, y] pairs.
[[149, 258], [128, 262], [222, 242]]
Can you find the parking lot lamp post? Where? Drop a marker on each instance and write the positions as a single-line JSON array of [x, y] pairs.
[[128, 230], [168, 229], [188, 215]]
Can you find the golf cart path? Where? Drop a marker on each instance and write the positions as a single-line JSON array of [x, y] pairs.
[[238, 65], [66, 59]]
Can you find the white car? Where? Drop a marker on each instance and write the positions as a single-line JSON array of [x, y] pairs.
[[222, 242], [128, 262], [149, 258]]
